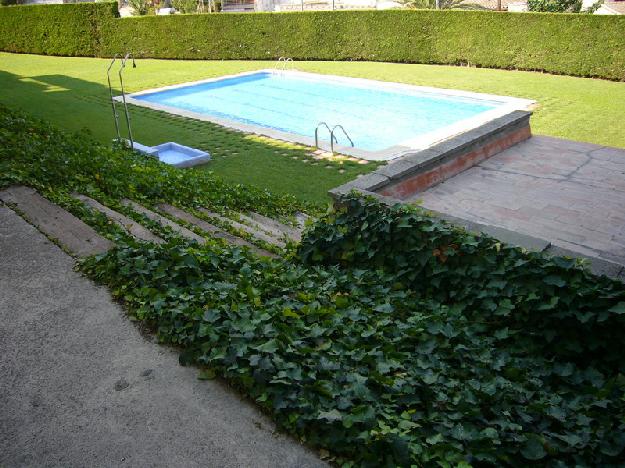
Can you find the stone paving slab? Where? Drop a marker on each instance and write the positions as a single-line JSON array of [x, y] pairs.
[[183, 231], [571, 194], [69, 231], [81, 387], [213, 230], [129, 225]]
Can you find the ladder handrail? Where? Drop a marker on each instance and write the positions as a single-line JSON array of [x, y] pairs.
[[282, 63], [121, 82], [323, 124], [115, 114], [334, 139]]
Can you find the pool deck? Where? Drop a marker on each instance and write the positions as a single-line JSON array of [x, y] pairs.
[[569, 193]]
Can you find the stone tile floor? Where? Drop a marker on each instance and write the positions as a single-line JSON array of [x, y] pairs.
[[569, 193]]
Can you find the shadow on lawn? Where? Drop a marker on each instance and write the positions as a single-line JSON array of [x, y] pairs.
[[280, 167]]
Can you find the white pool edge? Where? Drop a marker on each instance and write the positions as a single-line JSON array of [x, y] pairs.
[[419, 143]]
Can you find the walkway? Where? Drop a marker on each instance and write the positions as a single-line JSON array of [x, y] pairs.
[[81, 386], [572, 194]]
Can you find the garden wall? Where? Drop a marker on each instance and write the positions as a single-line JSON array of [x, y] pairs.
[[573, 44]]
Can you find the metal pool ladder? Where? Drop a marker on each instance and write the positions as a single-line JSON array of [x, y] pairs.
[[123, 95], [332, 137], [121, 82], [115, 114], [283, 63]]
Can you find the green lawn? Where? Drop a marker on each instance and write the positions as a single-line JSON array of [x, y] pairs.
[[72, 93]]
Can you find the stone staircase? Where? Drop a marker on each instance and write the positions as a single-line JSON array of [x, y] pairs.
[[259, 234]]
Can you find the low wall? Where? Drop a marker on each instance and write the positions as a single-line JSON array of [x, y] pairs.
[[415, 173]]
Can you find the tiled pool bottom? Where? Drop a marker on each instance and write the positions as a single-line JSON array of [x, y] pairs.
[[571, 194], [384, 120]]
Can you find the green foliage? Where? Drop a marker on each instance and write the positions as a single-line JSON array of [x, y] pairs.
[[139, 7], [35, 154], [528, 41], [555, 6], [54, 29], [442, 4], [185, 6], [399, 340]]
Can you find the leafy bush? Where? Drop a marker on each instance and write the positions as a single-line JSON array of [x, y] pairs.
[[139, 7], [555, 6], [399, 340], [185, 6], [529, 41]]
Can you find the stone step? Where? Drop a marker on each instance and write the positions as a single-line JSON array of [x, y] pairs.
[[70, 232], [253, 231], [129, 225], [272, 226], [214, 231], [183, 231], [301, 219]]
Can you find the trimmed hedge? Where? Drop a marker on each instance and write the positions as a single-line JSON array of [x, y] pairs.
[[72, 29], [580, 45]]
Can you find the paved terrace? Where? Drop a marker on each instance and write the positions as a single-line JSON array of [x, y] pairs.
[[571, 194]]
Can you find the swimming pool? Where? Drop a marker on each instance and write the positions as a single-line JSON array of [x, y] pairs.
[[384, 120]]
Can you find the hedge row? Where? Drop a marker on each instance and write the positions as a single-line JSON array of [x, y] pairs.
[[580, 45], [72, 29]]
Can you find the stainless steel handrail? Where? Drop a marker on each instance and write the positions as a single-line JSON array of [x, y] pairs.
[[323, 124], [333, 138], [121, 82], [115, 114], [283, 63]]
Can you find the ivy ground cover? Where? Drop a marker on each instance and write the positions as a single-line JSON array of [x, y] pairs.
[[393, 339]]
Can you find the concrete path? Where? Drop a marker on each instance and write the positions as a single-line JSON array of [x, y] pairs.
[[80, 386], [572, 194]]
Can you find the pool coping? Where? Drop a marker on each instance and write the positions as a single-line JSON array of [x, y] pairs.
[[408, 147]]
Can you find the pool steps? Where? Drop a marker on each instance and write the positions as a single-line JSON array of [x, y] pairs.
[[81, 240]]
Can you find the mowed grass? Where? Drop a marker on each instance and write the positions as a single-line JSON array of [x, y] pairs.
[[72, 93]]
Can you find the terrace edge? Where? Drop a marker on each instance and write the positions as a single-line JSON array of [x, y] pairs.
[[389, 184]]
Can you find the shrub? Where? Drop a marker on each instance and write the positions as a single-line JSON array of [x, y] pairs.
[[185, 6], [530, 41], [555, 6], [139, 7]]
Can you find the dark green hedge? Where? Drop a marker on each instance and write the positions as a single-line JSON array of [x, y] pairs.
[[54, 29], [581, 45]]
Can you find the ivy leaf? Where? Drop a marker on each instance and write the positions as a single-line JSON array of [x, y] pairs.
[[618, 308], [331, 416], [270, 346], [435, 439], [533, 449]]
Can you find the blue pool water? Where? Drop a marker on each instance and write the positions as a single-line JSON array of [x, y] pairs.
[[375, 118]]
